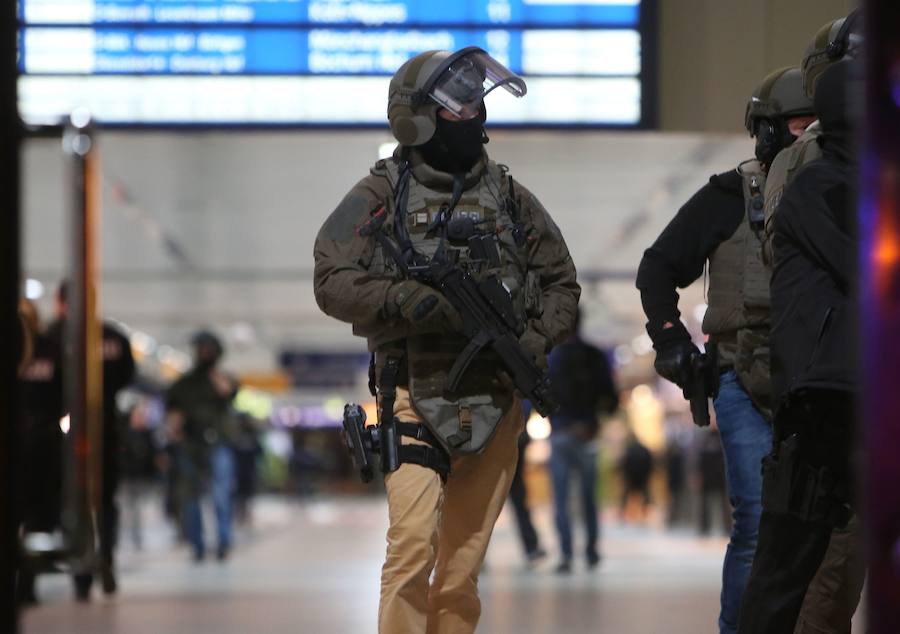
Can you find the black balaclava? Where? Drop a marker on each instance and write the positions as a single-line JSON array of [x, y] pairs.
[[833, 107], [456, 145]]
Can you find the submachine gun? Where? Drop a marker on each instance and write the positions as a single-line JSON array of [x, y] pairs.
[[701, 383], [489, 322], [485, 304]]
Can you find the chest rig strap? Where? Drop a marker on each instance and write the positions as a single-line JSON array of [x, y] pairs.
[[393, 453]]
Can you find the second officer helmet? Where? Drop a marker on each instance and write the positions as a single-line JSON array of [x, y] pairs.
[[779, 97], [834, 41], [440, 79]]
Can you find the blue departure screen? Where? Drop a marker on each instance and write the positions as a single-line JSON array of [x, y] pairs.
[[333, 12], [165, 61]]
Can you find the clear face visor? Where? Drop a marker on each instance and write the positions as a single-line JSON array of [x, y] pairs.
[[462, 86]]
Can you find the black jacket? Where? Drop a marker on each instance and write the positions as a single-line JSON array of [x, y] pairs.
[[678, 256], [813, 312], [583, 385]]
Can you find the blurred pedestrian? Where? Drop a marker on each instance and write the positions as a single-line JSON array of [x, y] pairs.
[[140, 466], [518, 496], [583, 386], [247, 450], [713, 493], [198, 419], [676, 481], [118, 372], [637, 467]]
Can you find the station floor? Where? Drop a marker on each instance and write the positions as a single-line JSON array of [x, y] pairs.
[[313, 568]]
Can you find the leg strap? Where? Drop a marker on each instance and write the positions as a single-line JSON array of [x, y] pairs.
[[431, 455]]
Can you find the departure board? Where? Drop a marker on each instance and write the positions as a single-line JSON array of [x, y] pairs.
[[323, 62]]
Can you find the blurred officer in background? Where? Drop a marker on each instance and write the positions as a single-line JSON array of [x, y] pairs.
[[198, 416], [118, 372], [440, 194], [583, 386], [810, 554], [722, 223]]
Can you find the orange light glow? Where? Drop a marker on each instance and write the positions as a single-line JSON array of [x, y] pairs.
[[886, 247]]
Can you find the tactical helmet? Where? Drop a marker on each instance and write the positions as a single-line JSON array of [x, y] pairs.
[[780, 95], [440, 79], [835, 40]]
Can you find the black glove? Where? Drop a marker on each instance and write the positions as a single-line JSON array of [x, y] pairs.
[[424, 308], [537, 345], [673, 361]]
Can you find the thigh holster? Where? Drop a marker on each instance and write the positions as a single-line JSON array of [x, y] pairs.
[[384, 439], [791, 486]]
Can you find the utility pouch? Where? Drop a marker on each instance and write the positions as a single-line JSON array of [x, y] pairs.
[[534, 306], [792, 487], [778, 476]]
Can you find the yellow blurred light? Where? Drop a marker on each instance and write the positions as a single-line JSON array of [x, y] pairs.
[[253, 402], [334, 407], [538, 427], [645, 415], [643, 394]]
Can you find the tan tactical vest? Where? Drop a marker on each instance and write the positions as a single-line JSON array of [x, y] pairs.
[[784, 169], [480, 402], [738, 283]]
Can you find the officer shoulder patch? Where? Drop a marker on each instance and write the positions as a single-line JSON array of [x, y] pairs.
[[343, 221]]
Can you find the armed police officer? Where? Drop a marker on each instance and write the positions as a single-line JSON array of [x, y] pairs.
[[722, 224], [810, 551], [199, 417], [408, 257]]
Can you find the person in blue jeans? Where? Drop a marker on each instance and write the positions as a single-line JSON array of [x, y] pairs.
[[583, 386], [721, 225], [198, 416], [746, 439]]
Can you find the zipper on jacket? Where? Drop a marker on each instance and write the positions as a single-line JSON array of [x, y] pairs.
[[821, 335]]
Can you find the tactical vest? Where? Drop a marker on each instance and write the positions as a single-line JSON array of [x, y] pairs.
[[738, 283], [784, 169], [738, 315], [479, 403]]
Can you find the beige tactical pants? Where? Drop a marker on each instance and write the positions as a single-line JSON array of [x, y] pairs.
[[444, 528], [833, 595]]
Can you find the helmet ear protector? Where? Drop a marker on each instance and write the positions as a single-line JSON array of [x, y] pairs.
[[838, 48], [825, 50], [411, 127]]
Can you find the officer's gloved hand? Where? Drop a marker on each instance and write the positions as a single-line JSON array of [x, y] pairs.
[[423, 307], [536, 345], [673, 360]]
